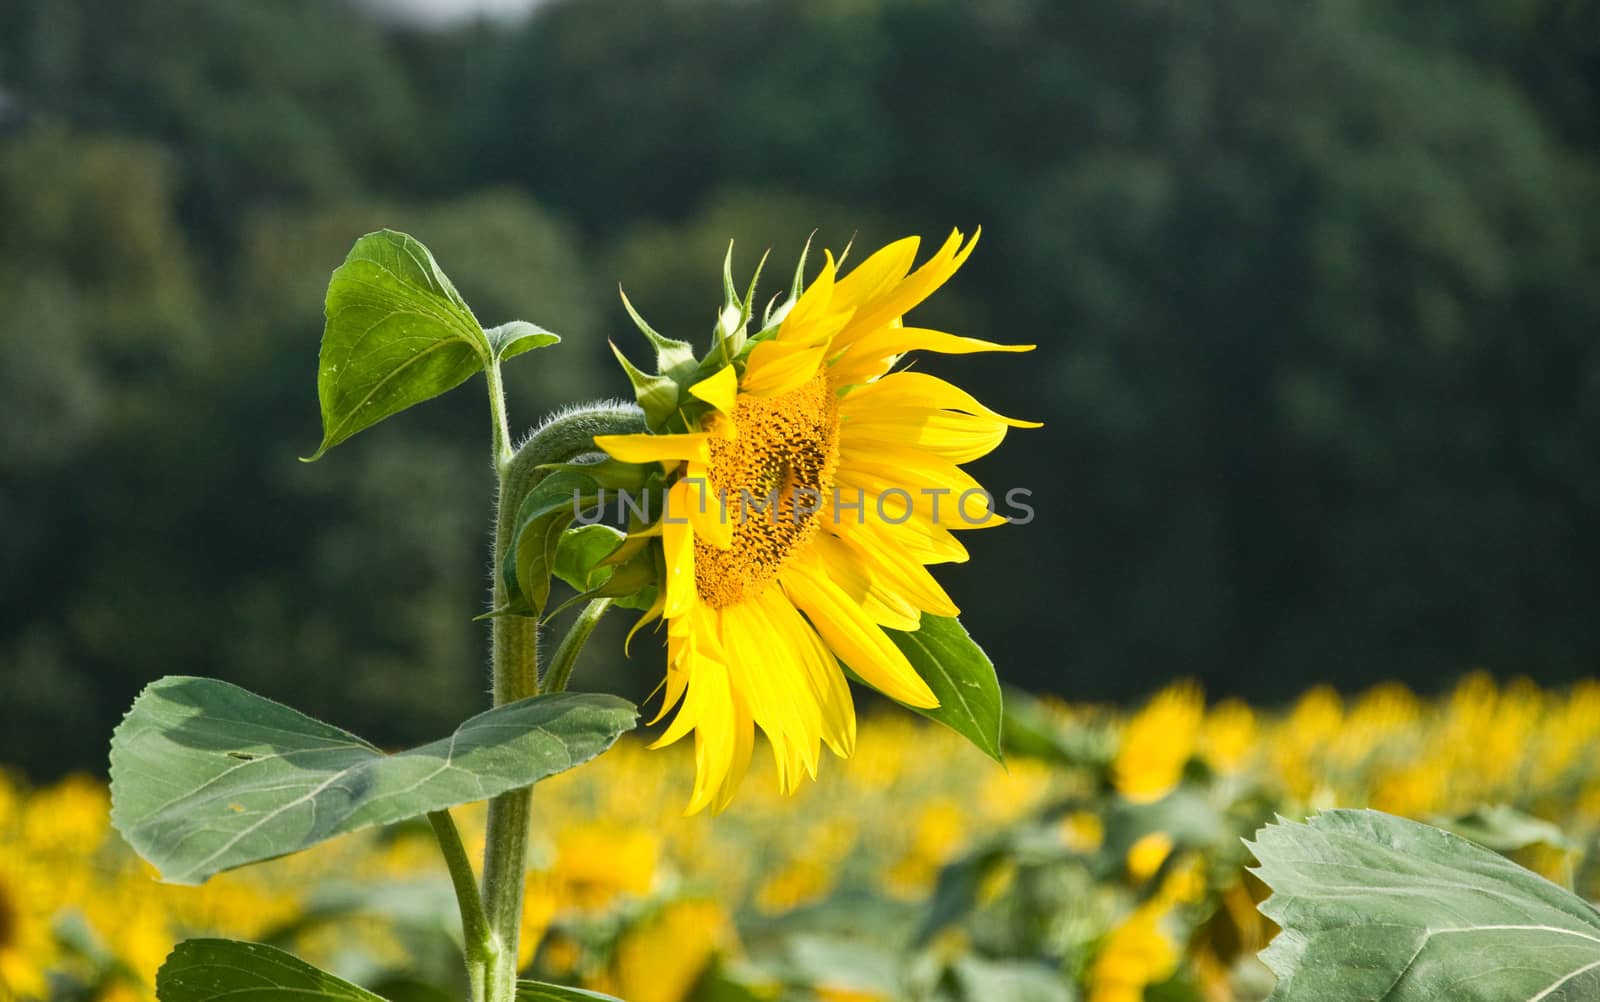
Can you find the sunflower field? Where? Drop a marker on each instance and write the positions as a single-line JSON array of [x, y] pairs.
[[1104, 862]]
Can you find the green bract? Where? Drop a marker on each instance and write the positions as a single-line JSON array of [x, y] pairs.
[[1375, 907]]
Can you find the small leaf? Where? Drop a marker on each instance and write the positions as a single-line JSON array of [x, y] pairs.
[[961, 675], [205, 970], [397, 333], [188, 804], [512, 339], [1375, 907], [539, 991]]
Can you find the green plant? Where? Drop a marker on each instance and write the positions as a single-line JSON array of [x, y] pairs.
[[207, 776]]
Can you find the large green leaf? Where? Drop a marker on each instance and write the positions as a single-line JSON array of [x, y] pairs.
[[206, 776], [1375, 907], [397, 333], [206, 970], [961, 675]]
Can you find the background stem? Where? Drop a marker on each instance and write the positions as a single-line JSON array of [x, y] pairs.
[[477, 944], [566, 656]]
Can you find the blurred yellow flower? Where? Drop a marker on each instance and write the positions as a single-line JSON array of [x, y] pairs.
[[1157, 743], [1082, 831], [1136, 954], [1147, 854], [764, 598], [597, 862], [800, 883], [940, 830], [662, 959], [27, 949], [1228, 739]]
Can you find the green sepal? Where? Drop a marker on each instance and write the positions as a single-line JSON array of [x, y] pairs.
[[657, 395], [512, 339], [398, 333], [211, 970], [673, 357]]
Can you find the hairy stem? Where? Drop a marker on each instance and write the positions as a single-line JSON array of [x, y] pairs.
[[515, 658]]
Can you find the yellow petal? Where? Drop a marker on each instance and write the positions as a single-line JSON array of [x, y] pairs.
[[873, 354], [959, 438], [895, 300], [881, 605], [919, 389], [719, 390], [837, 714], [852, 636], [739, 760], [890, 563], [777, 367], [677, 542], [772, 679], [708, 517], [875, 278], [814, 318], [646, 448]]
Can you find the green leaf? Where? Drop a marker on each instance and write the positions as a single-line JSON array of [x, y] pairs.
[[1375, 907], [512, 339], [1505, 829], [580, 552], [206, 776], [961, 675], [398, 333], [539, 991], [204, 970]]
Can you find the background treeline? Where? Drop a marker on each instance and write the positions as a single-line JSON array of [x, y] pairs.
[[1316, 286]]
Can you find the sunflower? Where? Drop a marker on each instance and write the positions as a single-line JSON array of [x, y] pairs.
[[808, 485]]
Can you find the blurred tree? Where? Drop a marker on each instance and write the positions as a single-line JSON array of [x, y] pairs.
[[1314, 287]]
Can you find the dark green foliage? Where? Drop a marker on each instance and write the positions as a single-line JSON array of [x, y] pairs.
[[1314, 286]]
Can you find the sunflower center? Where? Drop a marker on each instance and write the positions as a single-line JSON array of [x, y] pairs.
[[775, 474]]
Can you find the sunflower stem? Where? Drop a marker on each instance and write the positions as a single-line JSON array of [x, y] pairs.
[[514, 656], [566, 656]]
